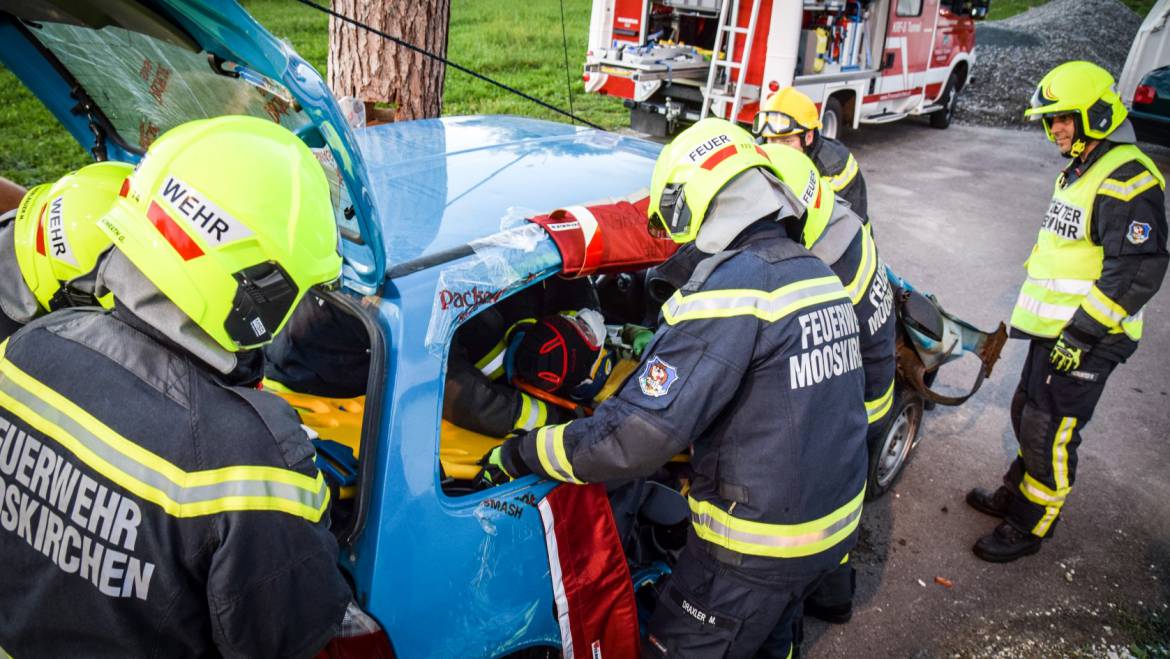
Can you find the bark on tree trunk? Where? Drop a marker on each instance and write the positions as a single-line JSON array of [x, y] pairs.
[[372, 69]]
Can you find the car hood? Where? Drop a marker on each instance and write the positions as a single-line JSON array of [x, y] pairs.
[[118, 73]]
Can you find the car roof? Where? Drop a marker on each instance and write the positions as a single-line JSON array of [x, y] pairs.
[[440, 184]]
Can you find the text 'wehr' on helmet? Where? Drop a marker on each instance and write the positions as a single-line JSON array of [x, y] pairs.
[[57, 239], [231, 219]]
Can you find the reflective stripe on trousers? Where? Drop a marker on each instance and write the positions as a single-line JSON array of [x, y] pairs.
[[721, 528]]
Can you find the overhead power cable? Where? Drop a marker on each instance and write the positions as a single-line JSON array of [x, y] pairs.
[[565, 44], [444, 60]]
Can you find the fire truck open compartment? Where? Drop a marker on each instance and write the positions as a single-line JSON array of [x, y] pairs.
[[876, 60]]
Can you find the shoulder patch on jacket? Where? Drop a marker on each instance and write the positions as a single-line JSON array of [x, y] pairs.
[[656, 377], [1139, 232]]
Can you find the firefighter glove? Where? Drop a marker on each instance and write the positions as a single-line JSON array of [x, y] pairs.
[[501, 464], [1067, 353]]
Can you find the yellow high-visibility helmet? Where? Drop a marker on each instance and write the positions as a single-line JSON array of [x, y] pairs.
[[800, 174], [691, 171], [231, 219], [1082, 89], [56, 235], [787, 112]]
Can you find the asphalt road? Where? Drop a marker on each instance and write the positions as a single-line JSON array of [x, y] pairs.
[[956, 212]]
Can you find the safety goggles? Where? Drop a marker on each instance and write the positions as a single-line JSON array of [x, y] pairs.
[[673, 217], [769, 123]]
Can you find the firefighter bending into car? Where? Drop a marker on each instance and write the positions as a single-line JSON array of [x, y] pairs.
[[842, 240], [51, 247], [548, 335], [791, 118], [1099, 258], [150, 507], [762, 325]]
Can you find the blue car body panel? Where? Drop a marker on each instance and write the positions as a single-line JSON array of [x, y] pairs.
[[464, 575], [441, 204]]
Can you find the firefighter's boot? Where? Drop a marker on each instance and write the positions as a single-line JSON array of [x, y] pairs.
[[990, 503], [1006, 544]]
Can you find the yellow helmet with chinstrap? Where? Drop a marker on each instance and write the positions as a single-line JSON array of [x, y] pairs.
[[693, 169], [231, 219]]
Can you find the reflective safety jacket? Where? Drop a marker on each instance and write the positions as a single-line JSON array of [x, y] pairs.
[[849, 249], [477, 396], [1100, 254], [756, 365], [836, 163], [148, 509]]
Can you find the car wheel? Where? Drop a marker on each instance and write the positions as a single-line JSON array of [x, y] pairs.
[[832, 119], [891, 452], [942, 118]]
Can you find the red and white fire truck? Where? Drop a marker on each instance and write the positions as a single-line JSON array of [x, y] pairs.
[[861, 61]]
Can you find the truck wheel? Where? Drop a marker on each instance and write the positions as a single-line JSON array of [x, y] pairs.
[[942, 118], [891, 452], [832, 119]]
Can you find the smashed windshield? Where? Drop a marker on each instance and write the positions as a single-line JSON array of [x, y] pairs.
[[146, 86]]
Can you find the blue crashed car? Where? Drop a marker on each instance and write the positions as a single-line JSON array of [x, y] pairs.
[[431, 218]]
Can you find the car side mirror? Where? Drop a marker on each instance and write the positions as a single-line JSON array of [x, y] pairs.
[[887, 61]]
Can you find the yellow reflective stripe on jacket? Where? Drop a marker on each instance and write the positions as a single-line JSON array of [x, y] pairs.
[[842, 179], [767, 306], [550, 450], [1045, 306], [865, 270], [146, 475], [721, 528], [1127, 190], [492, 364], [1102, 309], [533, 413], [877, 408]]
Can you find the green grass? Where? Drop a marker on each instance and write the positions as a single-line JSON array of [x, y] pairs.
[[514, 41]]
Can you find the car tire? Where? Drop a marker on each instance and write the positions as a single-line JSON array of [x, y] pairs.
[[891, 452], [941, 119], [833, 119]]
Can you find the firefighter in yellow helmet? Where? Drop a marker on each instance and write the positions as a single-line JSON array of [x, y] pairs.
[[790, 118], [1099, 258], [839, 237], [54, 244], [762, 325], [168, 511]]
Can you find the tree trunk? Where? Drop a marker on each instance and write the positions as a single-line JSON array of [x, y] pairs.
[[376, 70]]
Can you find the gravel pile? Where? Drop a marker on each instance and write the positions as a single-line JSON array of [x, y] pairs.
[[1013, 54]]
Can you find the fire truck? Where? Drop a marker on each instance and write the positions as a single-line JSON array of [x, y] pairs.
[[861, 61]]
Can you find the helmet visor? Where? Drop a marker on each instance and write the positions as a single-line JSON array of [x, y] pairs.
[[673, 215], [1038, 101], [770, 123]]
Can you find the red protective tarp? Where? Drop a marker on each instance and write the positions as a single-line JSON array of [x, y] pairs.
[[592, 588], [605, 237]]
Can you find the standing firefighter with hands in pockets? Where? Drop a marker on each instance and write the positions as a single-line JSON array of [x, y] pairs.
[[1099, 258], [757, 367]]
